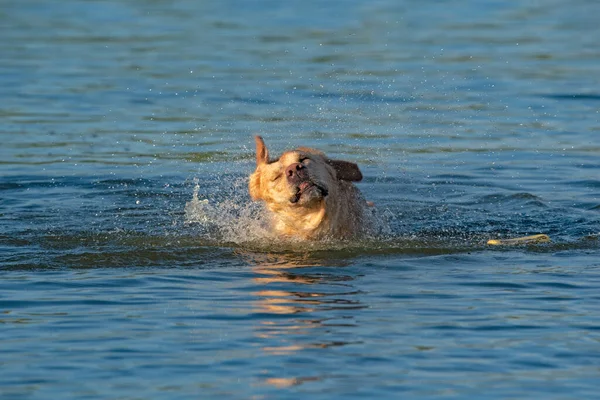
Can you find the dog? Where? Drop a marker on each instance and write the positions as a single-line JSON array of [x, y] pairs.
[[309, 196]]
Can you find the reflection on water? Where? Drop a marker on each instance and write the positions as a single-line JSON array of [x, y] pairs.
[[287, 382], [300, 302]]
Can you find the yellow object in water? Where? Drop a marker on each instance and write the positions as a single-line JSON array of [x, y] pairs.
[[522, 240]]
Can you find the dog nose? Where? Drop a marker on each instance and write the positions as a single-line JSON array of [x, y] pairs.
[[293, 169], [295, 172]]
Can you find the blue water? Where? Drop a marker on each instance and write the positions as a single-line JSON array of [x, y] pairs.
[[471, 121]]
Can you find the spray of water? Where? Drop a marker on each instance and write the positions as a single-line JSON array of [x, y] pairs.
[[235, 219], [232, 219]]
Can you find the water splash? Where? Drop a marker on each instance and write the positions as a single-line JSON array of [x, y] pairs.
[[197, 210], [232, 218]]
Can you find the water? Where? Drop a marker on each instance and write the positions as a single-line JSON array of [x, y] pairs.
[[470, 122]]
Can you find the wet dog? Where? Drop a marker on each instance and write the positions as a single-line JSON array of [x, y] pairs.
[[309, 195]]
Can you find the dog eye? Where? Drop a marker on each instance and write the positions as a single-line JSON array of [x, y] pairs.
[[276, 178]]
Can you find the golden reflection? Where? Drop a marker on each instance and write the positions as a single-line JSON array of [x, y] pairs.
[[278, 269], [297, 305], [288, 382]]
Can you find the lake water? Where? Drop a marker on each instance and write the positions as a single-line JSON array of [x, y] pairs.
[[470, 120]]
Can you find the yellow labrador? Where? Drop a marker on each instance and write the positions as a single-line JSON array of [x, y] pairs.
[[309, 195]]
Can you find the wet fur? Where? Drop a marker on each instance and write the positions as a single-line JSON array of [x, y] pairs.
[[318, 202]]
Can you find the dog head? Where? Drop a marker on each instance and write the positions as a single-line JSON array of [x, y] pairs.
[[301, 178]]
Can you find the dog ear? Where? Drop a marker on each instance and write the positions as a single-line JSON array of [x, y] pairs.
[[346, 171], [254, 186], [262, 154]]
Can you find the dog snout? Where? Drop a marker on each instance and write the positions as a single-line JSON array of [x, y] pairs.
[[296, 173]]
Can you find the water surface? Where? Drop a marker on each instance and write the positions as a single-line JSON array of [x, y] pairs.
[[470, 122]]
